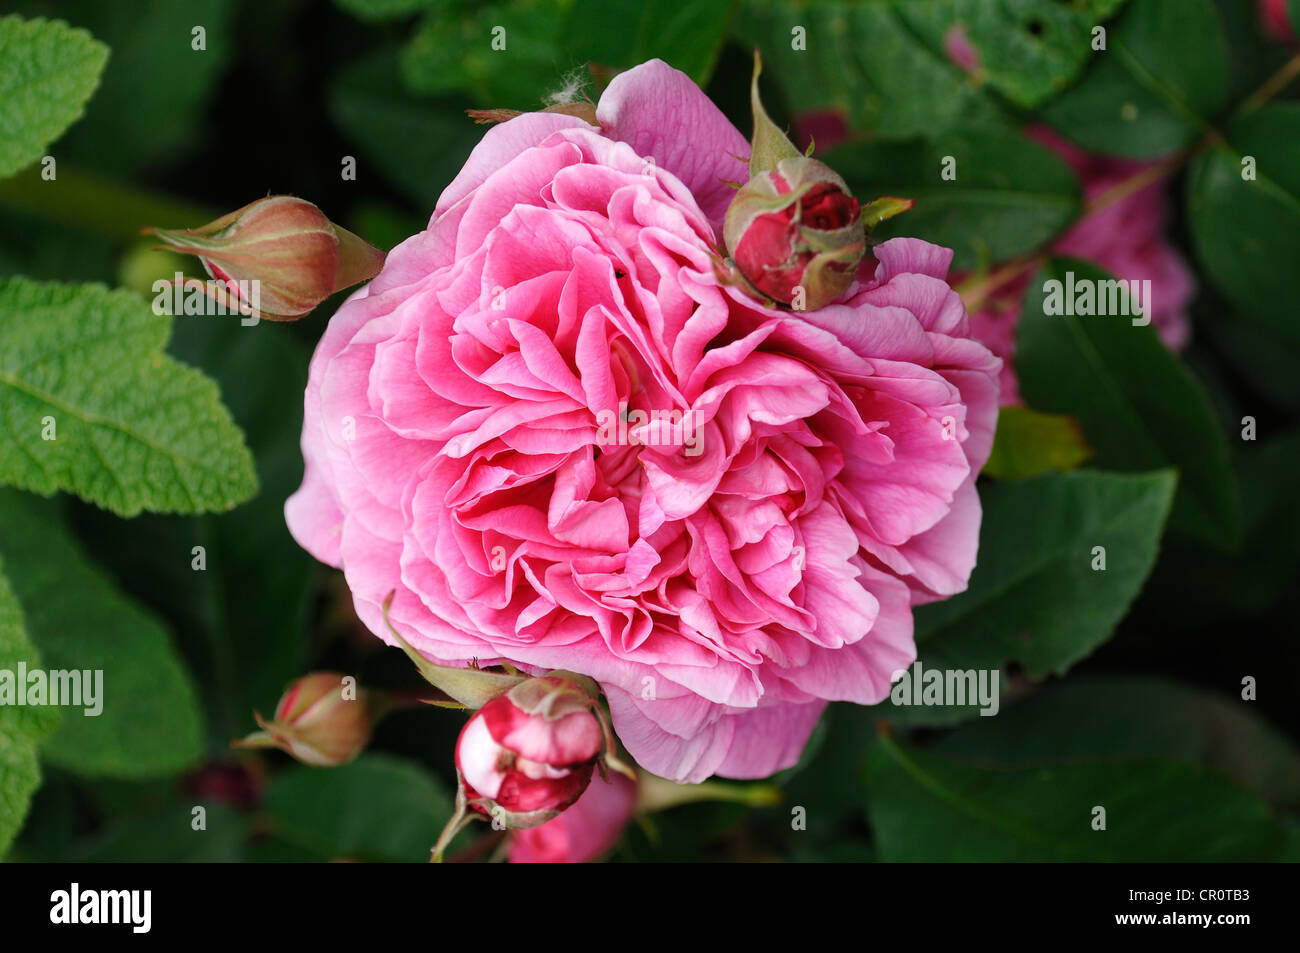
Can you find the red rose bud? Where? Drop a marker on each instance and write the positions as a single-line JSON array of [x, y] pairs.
[[322, 719], [528, 754], [277, 258], [793, 230], [796, 233]]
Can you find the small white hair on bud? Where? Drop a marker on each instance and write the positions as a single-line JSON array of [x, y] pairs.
[[573, 85]]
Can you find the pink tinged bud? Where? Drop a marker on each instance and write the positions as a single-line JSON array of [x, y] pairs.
[[793, 230], [322, 719], [796, 233], [276, 258], [528, 754]]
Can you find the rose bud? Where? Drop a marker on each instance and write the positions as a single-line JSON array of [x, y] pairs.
[[528, 754], [794, 227], [276, 258], [322, 719], [793, 230]]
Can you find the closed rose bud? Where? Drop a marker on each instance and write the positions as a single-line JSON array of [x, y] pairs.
[[793, 231], [322, 719], [796, 233], [278, 257], [528, 754]]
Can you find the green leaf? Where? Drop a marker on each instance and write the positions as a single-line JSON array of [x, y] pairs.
[[1204, 588], [928, 807], [252, 647], [1247, 231], [377, 807], [1163, 75], [21, 728], [47, 72], [864, 61], [372, 10], [452, 51], [1034, 596], [1264, 355], [132, 429], [1029, 50], [1253, 55], [620, 34], [845, 736], [1107, 717], [1009, 195], [1137, 404], [166, 835], [1029, 443], [149, 723], [417, 145]]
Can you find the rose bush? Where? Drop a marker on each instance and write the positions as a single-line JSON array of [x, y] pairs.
[[722, 584]]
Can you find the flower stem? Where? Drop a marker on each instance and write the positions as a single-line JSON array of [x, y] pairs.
[[100, 206], [1274, 85]]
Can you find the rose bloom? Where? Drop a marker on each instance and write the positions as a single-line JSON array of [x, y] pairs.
[[721, 585]]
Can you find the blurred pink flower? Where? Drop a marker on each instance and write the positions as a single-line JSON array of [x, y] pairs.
[[960, 50], [585, 831], [1126, 238], [1276, 19], [479, 441], [821, 128]]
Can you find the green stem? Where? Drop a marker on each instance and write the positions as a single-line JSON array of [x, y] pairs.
[[101, 206], [657, 794]]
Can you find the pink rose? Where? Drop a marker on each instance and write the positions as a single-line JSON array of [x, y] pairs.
[[584, 832], [1125, 238], [479, 441]]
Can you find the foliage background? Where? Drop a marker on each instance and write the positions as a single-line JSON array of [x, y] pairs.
[[1199, 593]]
